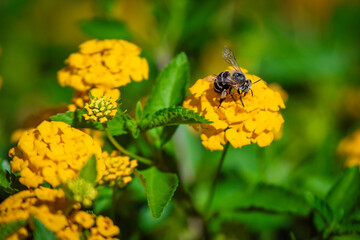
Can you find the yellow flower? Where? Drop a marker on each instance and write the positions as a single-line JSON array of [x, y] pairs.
[[100, 109], [57, 214], [53, 152], [84, 219], [106, 227], [104, 64], [35, 203], [68, 234], [118, 169], [350, 147], [257, 122]]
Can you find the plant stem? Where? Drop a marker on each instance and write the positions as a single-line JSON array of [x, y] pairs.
[[213, 186], [124, 151]]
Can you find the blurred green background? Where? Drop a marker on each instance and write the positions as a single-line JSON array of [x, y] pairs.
[[311, 48]]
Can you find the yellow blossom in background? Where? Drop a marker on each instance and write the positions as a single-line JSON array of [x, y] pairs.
[[257, 122], [86, 220], [58, 214], [350, 147], [100, 109], [118, 169], [53, 152], [103, 64], [106, 227]]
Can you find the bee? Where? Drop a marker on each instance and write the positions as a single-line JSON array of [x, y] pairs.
[[235, 79]]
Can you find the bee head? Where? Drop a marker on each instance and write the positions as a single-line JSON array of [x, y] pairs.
[[239, 77], [246, 86]]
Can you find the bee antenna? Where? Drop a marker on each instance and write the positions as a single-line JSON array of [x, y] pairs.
[[257, 81]]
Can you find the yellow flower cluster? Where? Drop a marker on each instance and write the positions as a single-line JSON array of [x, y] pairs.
[[100, 109], [53, 152], [118, 169], [56, 213], [350, 147], [257, 122], [103, 64]]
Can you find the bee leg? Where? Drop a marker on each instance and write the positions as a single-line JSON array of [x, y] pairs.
[[231, 95], [240, 98], [252, 93], [222, 98]]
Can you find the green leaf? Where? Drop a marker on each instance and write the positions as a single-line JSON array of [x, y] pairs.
[[76, 119], [349, 228], [88, 171], [10, 183], [171, 116], [116, 126], [321, 206], [280, 199], [132, 126], [346, 237], [170, 87], [41, 232], [169, 90], [139, 111], [5, 182], [344, 195], [263, 198], [160, 188], [8, 229], [166, 134], [105, 29], [272, 198]]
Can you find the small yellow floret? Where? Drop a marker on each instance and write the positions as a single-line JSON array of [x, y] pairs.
[[100, 109], [118, 169]]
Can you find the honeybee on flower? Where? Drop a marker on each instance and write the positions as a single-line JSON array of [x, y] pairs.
[[235, 79]]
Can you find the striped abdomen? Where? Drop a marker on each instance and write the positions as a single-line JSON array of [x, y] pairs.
[[219, 84]]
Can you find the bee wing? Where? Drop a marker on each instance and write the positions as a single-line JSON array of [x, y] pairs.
[[230, 58], [212, 78]]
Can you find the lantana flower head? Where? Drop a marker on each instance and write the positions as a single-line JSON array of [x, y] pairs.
[[53, 152], [350, 147], [100, 109], [118, 169], [257, 122], [81, 98], [103, 64], [81, 191], [58, 214]]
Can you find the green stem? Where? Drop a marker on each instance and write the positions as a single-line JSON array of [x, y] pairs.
[[213, 186], [124, 151]]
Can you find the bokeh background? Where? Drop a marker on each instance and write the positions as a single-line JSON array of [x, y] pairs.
[[309, 48]]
